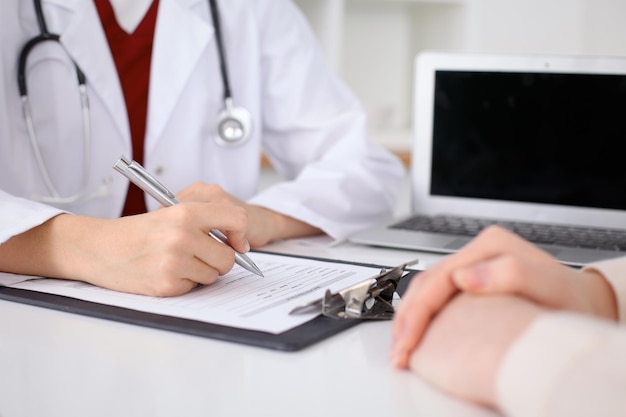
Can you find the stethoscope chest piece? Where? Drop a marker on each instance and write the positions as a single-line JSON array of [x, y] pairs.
[[234, 125]]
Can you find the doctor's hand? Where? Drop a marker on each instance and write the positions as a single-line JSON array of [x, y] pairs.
[[168, 252], [264, 225], [163, 253], [496, 262], [465, 344]]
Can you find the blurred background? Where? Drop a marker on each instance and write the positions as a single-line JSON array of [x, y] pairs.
[[372, 44]]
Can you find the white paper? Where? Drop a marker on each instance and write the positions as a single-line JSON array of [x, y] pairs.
[[238, 299], [7, 279]]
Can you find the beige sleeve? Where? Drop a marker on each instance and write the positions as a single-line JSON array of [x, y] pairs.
[[565, 364]]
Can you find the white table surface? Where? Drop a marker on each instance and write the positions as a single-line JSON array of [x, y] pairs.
[[54, 363], [57, 364]]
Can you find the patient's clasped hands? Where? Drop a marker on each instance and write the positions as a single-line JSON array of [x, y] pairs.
[[457, 319]]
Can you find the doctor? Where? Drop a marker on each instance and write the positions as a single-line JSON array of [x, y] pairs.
[[171, 83]]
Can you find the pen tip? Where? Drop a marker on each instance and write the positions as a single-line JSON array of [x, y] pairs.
[[255, 270]]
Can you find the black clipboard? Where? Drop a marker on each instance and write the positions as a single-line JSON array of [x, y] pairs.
[[292, 340]]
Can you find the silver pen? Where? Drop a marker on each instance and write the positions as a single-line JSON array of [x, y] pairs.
[[144, 180]]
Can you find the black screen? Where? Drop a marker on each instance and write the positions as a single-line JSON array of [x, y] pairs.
[[531, 137]]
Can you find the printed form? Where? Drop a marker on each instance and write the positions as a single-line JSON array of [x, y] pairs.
[[238, 299]]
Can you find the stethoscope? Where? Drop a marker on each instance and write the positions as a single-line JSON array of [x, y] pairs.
[[234, 124]]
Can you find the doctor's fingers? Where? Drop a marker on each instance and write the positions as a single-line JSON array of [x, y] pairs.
[[179, 277], [207, 193], [181, 260], [431, 290], [226, 218], [211, 255], [204, 264]]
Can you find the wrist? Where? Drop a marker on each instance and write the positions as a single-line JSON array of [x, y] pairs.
[[56, 244], [270, 225], [600, 294], [74, 243], [289, 227]]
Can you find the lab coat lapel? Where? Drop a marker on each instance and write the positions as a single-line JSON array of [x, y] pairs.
[[83, 37], [181, 38]]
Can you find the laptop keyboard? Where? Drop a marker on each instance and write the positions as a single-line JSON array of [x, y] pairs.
[[571, 236]]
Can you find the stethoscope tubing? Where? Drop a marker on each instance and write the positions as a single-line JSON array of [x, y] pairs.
[[46, 36], [220, 48], [229, 117]]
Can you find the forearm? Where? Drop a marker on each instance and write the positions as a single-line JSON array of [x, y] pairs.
[[58, 248]]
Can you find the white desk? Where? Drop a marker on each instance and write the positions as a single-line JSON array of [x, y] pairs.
[[56, 364]]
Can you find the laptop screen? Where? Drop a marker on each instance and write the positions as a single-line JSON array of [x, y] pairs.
[[554, 138]]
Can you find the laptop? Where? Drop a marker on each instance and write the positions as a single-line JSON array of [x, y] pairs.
[[535, 143]]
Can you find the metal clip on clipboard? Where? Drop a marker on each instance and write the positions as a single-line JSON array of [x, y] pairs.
[[371, 299]]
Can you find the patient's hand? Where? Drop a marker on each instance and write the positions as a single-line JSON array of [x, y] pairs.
[[497, 262], [464, 345]]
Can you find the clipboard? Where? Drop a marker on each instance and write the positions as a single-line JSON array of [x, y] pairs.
[[296, 339]]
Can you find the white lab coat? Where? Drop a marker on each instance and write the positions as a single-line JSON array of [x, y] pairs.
[[305, 120]]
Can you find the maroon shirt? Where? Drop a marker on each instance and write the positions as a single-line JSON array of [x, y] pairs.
[[132, 54]]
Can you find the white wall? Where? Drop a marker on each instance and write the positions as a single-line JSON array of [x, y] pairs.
[[593, 27], [372, 43]]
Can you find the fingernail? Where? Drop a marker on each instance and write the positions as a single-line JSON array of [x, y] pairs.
[[398, 357], [247, 246], [398, 348]]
